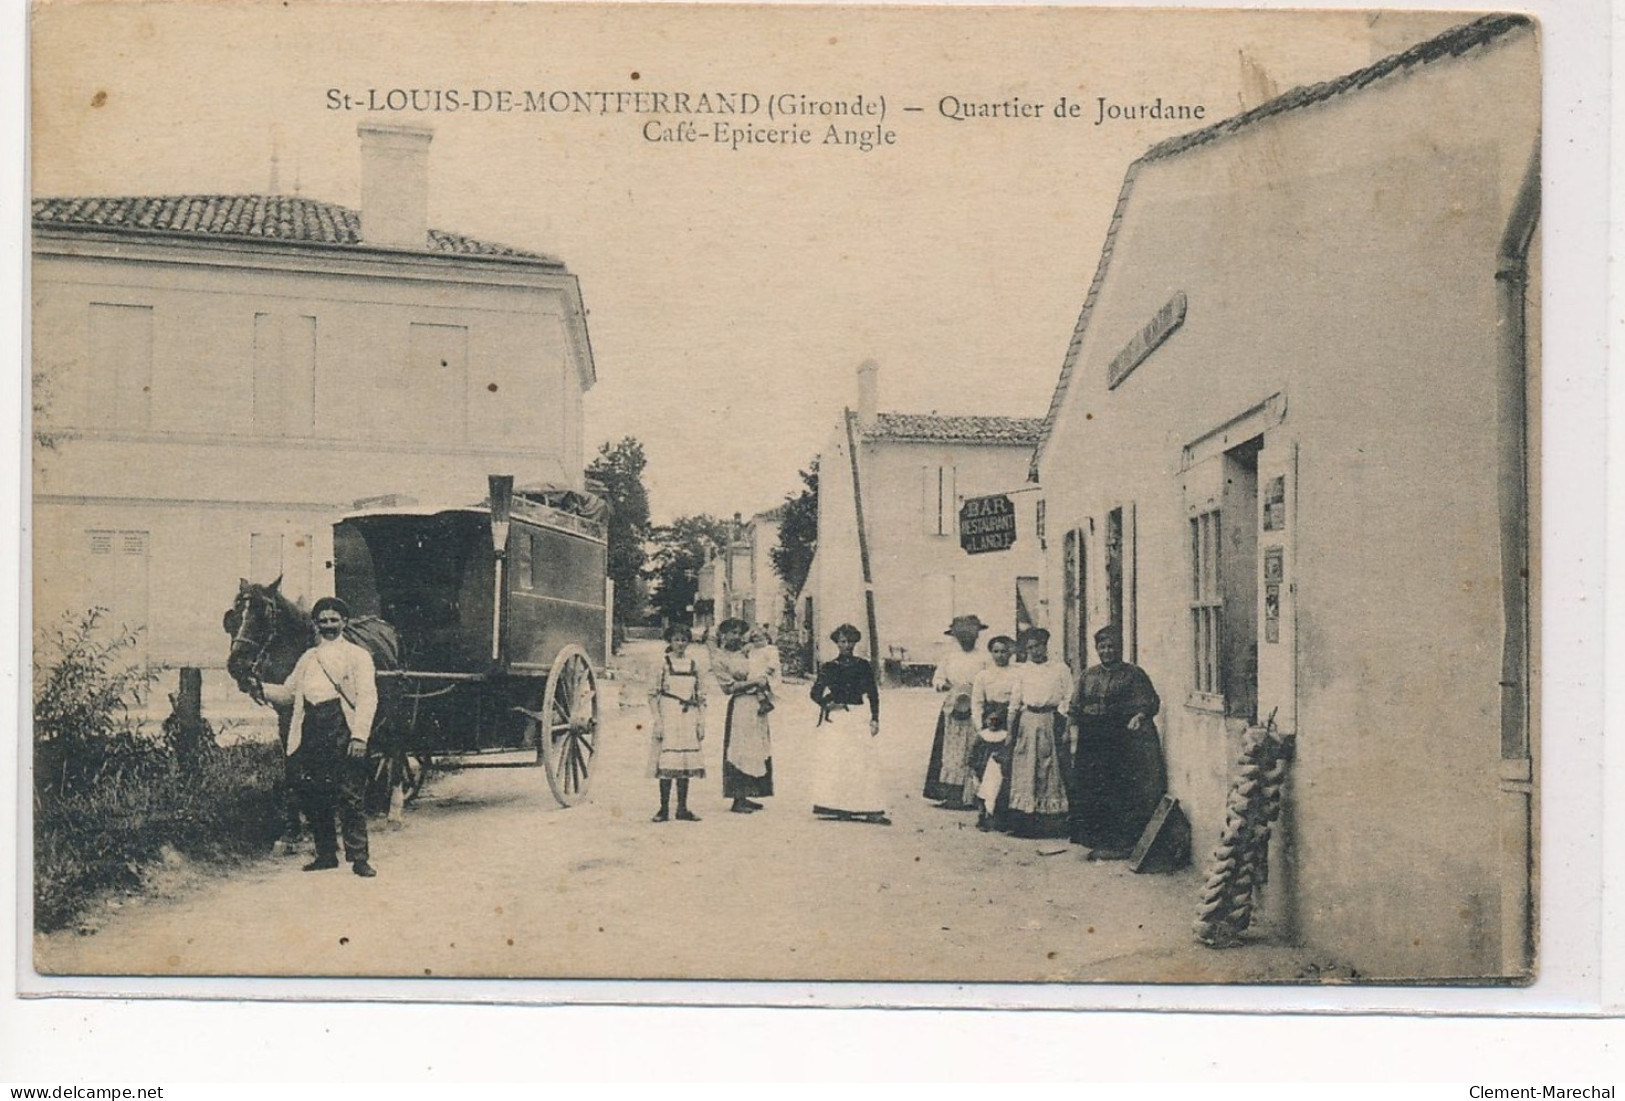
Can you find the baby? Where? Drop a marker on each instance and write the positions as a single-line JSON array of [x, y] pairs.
[[763, 666]]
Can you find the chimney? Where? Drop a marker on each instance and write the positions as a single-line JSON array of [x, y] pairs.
[[868, 385], [395, 184]]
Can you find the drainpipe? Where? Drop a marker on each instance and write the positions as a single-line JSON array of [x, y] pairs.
[[1517, 758]]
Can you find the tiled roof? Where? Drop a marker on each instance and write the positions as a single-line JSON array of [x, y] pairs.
[[930, 428], [244, 217], [1452, 43]]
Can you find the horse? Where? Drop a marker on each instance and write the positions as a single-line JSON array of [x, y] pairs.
[[268, 633]]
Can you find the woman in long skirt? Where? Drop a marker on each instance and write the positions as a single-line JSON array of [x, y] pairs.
[[847, 784], [747, 745], [955, 737], [1119, 770], [678, 725], [1042, 691]]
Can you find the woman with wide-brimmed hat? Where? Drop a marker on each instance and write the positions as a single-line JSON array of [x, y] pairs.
[[846, 785], [955, 739]]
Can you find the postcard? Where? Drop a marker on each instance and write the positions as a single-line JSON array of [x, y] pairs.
[[785, 493]]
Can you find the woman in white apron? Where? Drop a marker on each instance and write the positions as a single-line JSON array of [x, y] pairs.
[[847, 784]]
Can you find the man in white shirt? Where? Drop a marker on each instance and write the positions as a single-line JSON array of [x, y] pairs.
[[334, 693]]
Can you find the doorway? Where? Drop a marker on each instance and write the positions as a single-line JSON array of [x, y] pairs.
[[1238, 581]]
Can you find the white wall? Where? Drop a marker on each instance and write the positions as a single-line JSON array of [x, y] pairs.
[[921, 580]]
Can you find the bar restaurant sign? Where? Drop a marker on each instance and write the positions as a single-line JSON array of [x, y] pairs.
[[987, 524]]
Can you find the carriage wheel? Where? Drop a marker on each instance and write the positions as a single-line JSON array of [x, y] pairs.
[[567, 735], [413, 766], [390, 765]]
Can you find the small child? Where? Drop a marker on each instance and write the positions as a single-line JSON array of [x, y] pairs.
[[763, 666]]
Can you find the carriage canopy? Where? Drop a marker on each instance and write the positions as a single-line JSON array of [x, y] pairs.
[[432, 572]]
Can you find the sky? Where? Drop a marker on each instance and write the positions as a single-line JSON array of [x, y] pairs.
[[731, 292]]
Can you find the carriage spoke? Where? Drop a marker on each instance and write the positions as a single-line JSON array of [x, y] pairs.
[[570, 719]]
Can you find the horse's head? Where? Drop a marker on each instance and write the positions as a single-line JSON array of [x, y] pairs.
[[257, 621]]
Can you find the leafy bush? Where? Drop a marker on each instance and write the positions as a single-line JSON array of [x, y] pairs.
[[87, 693], [109, 796]]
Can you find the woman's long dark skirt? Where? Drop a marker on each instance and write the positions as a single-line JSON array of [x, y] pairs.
[[1119, 777], [934, 787], [737, 784]]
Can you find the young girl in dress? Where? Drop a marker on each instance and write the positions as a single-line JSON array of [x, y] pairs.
[[678, 726]]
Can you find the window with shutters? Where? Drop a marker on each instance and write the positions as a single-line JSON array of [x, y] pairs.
[[119, 393], [118, 579], [1027, 607], [284, 375], [1207, 601], [437, 382], [1074, 606]]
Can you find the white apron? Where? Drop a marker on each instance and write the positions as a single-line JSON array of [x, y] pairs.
[[848, 773]]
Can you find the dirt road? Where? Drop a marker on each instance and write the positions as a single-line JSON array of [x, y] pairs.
[[490, 878]]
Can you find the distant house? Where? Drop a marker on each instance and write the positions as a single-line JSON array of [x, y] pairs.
[[1287, 454], [890, 490], [738, 581], [227, 373]]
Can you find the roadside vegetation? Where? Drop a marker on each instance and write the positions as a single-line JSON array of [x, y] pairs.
[[114, 798]]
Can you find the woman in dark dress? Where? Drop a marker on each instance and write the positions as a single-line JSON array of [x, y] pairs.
[[1118, 771], [847, 783]]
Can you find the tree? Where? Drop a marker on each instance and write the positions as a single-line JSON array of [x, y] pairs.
[[798, 533], [682, 547], [618, 469]]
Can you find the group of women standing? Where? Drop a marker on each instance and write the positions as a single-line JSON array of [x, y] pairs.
[[745, 669], [1039, 755]]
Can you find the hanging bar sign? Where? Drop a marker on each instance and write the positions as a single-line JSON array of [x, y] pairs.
[[987, 524]]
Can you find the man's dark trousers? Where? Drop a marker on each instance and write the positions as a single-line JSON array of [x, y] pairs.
[[332, 783]]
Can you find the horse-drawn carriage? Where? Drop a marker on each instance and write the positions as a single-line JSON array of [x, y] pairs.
[[499, 610]]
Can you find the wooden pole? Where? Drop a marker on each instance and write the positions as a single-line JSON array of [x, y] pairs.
[[863, 542]]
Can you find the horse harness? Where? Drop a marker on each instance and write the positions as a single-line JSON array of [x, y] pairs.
[[241, 639]]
